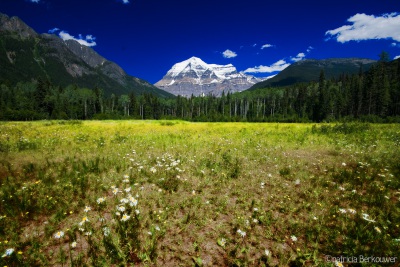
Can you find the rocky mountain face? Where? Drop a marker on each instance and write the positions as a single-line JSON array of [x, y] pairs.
[[308, 70], [194, 76], [26, 56]]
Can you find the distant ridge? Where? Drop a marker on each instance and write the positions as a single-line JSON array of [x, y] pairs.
[[26, 56], [309, 69]]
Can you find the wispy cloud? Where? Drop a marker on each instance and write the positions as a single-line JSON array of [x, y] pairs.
[[53, 30], [367, 27], [299, 57], [309, 49], [229, 54], [277, 66], [266, 46], [34, 1], [125, 1], [89, 40], [396, 57]]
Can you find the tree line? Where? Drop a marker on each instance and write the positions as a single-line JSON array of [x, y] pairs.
[[371, 96]]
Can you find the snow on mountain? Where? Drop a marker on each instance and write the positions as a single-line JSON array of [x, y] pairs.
[[194, 76]]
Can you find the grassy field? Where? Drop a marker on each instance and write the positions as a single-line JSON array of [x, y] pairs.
[[170, 193]]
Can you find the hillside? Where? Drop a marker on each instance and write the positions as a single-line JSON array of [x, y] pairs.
[[27, 56], [309, 69]]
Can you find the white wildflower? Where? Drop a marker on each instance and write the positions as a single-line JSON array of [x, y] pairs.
[[125, 217], [59, 234], [241, 233], [8, 252], [366, 217]]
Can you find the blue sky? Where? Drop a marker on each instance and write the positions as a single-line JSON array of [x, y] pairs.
[[146, 37]]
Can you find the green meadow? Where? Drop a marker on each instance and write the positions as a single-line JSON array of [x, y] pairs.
[[174, 193]]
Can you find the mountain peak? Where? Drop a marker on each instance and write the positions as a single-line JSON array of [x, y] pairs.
[[16, 25], [194, 76]]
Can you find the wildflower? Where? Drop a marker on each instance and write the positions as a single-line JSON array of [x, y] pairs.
[[128, 189], [153, 170], [338, 264], [84, 220], [121, 208], [342, 211], [118, 213], [124, 200], [157, 228], [125, 217], [106, 231], [354, 191], [125, 181], [352, 211], [88, 233], [100, 200], [377, 229], [115, 190], [132, 201], [267, 252], [341, 188], [87, 208], [297, 182], [8, 252], [222, 242], [73, 244], [242, 233], [366, 217], [59, 234], [137, 212], [294, 238], [344, 164], [255, 221], [126, 176]]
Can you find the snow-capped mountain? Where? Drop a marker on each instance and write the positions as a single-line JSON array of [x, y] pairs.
[[194, 76]]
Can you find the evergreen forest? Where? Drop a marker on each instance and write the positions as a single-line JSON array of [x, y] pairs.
[[372, 96]]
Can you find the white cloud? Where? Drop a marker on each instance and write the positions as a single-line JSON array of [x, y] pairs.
[[309, 49], [266, 46], [87, 41], [367, 27], [53, 30], [35, 1], [396, 57], [277, 66], [299, 57], [229, 54], [125, 1]]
